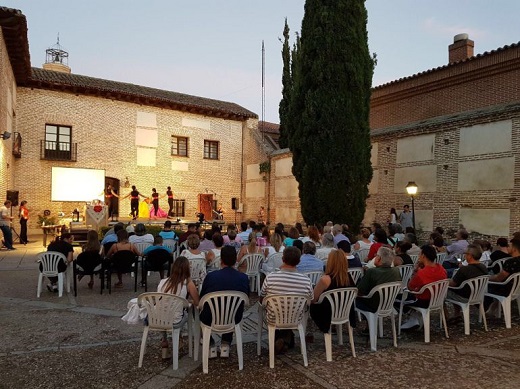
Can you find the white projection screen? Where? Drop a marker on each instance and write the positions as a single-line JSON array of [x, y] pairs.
[[71, 184]]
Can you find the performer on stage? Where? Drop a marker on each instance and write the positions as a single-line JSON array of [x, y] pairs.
[[134, 201], [110, 200], [220, 213], [169, 193], [156, 211], [24, 216], [261, 214]]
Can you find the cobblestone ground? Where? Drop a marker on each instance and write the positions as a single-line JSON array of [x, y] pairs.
[[81, 342]]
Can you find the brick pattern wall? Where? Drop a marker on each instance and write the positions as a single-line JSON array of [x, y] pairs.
[[104, 131], [480, 82], [6, 83]]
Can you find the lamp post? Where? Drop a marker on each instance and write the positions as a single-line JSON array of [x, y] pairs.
[[411, 189]]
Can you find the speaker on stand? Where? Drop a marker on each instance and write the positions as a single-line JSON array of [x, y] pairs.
[[234, 207], [12, 196]]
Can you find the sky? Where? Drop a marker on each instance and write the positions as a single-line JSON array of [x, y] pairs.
[[213, 48]]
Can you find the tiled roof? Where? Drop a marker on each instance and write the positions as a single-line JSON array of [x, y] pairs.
[[75, 83], [14, 30], [268, 127], [478, 56]]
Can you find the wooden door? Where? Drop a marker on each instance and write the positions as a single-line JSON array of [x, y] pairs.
[[206, 205]]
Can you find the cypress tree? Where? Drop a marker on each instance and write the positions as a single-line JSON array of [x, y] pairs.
[[283, 108], [328, 115]]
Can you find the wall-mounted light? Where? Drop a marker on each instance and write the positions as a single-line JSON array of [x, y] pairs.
[[5, 135]]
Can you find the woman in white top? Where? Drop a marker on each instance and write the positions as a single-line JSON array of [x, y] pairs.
[[218, 241], [327, 244], [273, 262], [179, 283], [313, 235], [193, 252], [250, 248]]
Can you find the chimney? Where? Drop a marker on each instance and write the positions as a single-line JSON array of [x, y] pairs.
[[461, 49]]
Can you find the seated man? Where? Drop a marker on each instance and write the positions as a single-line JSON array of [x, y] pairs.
[[382, 273], [62, 245], [426, 271], [353, 260], [157, 245], [286, 281], [510, 266], [111, 234], [227, 278], [456, 249], [140, 235], [167, 232], [308, 261], [337, 231], [473, 269], [192, 230]]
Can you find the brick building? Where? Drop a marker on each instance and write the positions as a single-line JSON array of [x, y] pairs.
[[140, 136], [454, 130]]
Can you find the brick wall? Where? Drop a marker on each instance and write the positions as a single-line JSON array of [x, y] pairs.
[[479, 82], [104, 131]]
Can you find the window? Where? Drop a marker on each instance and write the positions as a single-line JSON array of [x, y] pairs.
[[57, 144], [211, 149], [179, 146], [178, 208]]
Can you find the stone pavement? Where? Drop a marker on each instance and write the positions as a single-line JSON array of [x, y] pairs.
[[81, 342]]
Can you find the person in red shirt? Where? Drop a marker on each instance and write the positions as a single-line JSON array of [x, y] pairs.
[[426, 271]]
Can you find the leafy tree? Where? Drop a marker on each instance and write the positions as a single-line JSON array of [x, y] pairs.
[[328, 117]]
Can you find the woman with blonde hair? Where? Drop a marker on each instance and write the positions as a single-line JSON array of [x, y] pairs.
[[336, 276], [250, 248], [179, 283]]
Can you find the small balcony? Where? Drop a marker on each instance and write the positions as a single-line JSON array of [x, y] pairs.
[[58, 151]]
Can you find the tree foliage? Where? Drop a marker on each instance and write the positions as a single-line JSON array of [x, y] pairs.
[[327, 121], [283, 108]]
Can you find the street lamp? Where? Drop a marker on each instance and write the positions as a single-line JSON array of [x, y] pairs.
[[411, 189]]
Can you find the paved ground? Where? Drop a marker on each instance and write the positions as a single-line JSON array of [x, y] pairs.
[[82, 343]]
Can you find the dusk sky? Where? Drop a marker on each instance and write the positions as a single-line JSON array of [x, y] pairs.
[[213, 48]]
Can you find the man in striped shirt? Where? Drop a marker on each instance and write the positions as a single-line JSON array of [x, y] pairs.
[[286, 281]]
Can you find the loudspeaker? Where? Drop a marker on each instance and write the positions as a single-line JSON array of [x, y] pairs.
[[234, 203], [12, 196]]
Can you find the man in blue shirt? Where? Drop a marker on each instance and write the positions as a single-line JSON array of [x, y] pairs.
[[227, 278], [308, 261]]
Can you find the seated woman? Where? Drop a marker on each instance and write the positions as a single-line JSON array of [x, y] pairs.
[[336, 276], [437, 241], [380, 239], [293, 235], [179, 283], [250, 248], [206, 244], [218, 241], [273, 262], [400, 250], [122, 244], [313, 235], [88, 263], [233, 240], [193, 252]]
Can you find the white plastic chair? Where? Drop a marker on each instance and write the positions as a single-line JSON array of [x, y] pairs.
[[340, 301], [314, 276], [478, 286], [253, 263], [49, 261], [438, 291], [406, 272], [441, 257], [172, 245], [498, 263], [223, 306], [141, 246], [198, 271], [283, 312], [273, 262], [356, 273], [414, 258], [387, 294], [362, 254], [161, 309], [505, 301]]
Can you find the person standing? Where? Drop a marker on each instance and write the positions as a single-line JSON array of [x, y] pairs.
[[110, 200], [134, 201], [169, 194], [5, 225], [155, 204], [261, 215], [406, 217], [24, 216]]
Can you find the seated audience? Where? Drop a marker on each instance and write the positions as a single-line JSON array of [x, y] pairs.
[[167, 232], [337, 231], [308, 260], [63, 245], [250, 248], [122, 244], [140, 235], [400, 250], [380, 240], [502, 250], [412, 239], [327, 245], [336, 276], [353, 260], [227, 278], [293, 235], [206, 244], [456, 249]]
